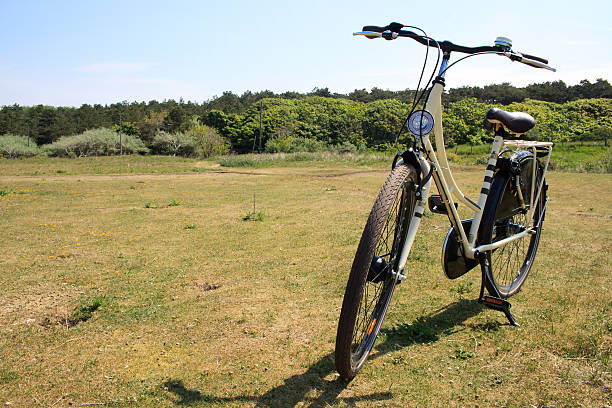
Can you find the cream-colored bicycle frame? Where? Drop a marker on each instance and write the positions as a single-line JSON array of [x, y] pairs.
[[448, 188]]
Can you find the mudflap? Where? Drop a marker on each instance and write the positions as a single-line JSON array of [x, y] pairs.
[[454, 263]]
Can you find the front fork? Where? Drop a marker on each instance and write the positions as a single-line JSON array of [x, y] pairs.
[[422, 192]]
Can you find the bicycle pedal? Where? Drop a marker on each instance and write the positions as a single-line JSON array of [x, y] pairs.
[[495, 303], [398, 276], [436, 204]]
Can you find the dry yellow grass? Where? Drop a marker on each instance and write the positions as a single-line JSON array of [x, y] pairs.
[[198, 307]]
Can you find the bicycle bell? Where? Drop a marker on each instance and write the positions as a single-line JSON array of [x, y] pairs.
[[420, 123], [504, 42]]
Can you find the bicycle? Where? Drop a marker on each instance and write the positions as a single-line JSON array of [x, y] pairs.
[[503, 234]]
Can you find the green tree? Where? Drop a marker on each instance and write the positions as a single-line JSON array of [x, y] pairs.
[[46, 124], [475, 139], [228, 103], [151, 124], [382, 120], [176, 120], [127, 128], [502, 93], [462, 119]]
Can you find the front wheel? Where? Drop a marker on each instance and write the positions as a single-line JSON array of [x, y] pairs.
[[503, 217], [371, 281]]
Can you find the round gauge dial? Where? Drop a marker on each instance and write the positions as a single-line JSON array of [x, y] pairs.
[[420, 123]]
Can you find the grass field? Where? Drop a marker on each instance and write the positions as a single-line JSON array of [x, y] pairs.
[[151, 290], [587, 157]]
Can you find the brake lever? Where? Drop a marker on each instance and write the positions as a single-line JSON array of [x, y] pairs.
[[538, 64], [517, 56], [368, 34]]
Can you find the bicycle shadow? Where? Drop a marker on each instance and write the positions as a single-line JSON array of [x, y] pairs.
[[298, 388], [314, 389], [427, 328], [295, 389]]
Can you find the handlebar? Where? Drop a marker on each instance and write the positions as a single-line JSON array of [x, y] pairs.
[[388, 33], [394, 30]]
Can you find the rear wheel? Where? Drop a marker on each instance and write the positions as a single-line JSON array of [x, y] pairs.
[[504, 217], [371, 282]]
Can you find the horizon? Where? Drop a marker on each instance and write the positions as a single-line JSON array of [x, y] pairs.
[[76, 53], [280, 94]]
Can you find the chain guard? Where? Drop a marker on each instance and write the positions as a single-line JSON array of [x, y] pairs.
[[454, 263]]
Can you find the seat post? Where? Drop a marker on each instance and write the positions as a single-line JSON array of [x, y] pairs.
[[501, 131]]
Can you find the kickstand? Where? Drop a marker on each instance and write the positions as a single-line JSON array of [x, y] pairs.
[[494, 302]]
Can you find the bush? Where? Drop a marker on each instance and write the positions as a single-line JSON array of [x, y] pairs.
[[597, 133], [304, 144], [175, 144], [208, 142], [13, 146], [346, 147], [279, 145], [292, 144], [95, 142]]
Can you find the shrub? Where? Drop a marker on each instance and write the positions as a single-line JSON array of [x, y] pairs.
[[175, 144], [208, 142], [254, 216], [13, 146], [304, 144], [598, 133], [292, 144], [346, 147], [95, 142], [279, 145]]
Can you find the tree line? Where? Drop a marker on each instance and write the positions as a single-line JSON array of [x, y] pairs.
[[359, 119]]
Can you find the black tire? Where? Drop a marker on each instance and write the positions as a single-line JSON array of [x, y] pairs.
[[510, 264], [367, 298]]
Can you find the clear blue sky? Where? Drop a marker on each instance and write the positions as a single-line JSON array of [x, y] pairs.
[[75, 52]]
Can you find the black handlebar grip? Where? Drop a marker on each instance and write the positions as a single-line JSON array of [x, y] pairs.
[[395, 27], [375, 29], [532, 57]]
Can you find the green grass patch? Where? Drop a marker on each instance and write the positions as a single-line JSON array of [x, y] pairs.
[[5, 192], [126, 164], [254, 216], [7, 376], [85, 310], [303, 159], [587, 157]]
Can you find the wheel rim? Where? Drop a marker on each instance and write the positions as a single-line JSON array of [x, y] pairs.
[[376, 296], [512, 262]]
